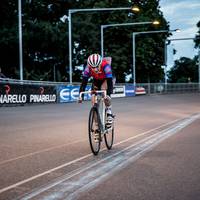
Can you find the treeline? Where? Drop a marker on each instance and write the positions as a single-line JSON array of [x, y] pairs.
[[45, 38]]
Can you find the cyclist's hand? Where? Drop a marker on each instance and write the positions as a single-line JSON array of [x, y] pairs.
[[80, 100]]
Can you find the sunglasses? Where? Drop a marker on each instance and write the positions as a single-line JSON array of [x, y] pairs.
[[95, 68]]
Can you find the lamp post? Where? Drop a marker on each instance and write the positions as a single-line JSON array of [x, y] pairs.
[[70, 12], [145, 32], [199, 69], [123, 24], [20, 39], [165, 59]]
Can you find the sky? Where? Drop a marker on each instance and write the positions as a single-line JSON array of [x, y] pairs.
[[184, 15]]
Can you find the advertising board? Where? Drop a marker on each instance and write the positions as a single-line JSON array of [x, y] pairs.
[[26, 94], [71, 93], [130, 90]]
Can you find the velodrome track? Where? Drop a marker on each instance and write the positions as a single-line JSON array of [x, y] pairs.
[[44, 151]]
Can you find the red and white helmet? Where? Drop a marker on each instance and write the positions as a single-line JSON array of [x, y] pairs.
[[94, 60]]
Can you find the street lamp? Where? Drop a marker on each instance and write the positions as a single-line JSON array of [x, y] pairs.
[[199, 68], [123, 24], [20, 39], [135, 8], [146, 32], [70, 12]]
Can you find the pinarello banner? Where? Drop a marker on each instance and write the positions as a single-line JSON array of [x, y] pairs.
[[19, 94]]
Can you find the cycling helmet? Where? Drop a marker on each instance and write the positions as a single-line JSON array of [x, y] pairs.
[[94, 60]]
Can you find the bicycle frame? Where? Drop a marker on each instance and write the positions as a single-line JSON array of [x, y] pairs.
[[98, 101], [97, 128]]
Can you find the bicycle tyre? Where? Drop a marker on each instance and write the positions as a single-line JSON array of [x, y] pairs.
[[94, 145], [109, 138]]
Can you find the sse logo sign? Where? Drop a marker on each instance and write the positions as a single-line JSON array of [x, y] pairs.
[[70, 93]]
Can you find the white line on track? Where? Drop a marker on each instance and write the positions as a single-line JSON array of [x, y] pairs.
[[71, 185], [42, 151], [81, 158], [63, 145]]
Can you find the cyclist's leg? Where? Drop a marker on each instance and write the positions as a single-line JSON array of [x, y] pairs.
[[107, 99], [96, 85], [109, 137], [108, 105]]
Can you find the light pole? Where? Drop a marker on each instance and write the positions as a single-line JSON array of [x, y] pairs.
[[165, 59], [70, 12], [145, 32], [123, 24], [20, 39], [199, 68]]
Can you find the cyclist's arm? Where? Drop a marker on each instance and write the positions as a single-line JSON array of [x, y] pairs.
[[83, 85], [109, 77], [109, 86], [86, 76]]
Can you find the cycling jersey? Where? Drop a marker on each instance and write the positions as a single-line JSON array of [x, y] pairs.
[[104, 72]]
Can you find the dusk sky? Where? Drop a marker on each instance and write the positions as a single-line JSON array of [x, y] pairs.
[[182, 14]]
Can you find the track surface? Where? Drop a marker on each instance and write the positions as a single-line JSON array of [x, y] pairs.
[[44, 151]]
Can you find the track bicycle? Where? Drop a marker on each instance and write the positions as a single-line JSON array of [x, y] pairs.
[[97, 127]]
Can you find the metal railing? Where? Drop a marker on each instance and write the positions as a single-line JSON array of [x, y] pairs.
[[31, 82], [150, 88], [169, 88]]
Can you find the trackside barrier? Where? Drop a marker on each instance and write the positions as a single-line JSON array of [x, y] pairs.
[[21, 93], [16, 92], [170, 88], [129, 90], [68, 93], [140, 90]]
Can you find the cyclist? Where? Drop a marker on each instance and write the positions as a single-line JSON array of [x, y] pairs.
[[101, 72]]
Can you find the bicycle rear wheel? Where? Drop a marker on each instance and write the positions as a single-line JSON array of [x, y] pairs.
[[94, 131]]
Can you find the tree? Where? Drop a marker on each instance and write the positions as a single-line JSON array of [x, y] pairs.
[[45, 38], [184, 70], [197, 37], [8, 37], [118, 41]]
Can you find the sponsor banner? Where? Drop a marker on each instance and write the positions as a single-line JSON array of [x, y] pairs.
[[26, 94], [140, 90], [118, 91], [71, 93], [130, 90]]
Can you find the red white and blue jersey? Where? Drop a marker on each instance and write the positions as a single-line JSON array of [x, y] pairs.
[[105, 71]]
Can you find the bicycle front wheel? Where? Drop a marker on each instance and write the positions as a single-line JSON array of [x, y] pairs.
[[94, 131], [109, 137]]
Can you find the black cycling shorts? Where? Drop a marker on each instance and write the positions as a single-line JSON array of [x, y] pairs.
[[96, 85]]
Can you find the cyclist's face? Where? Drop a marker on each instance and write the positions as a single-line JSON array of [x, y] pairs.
[[95, 69]]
